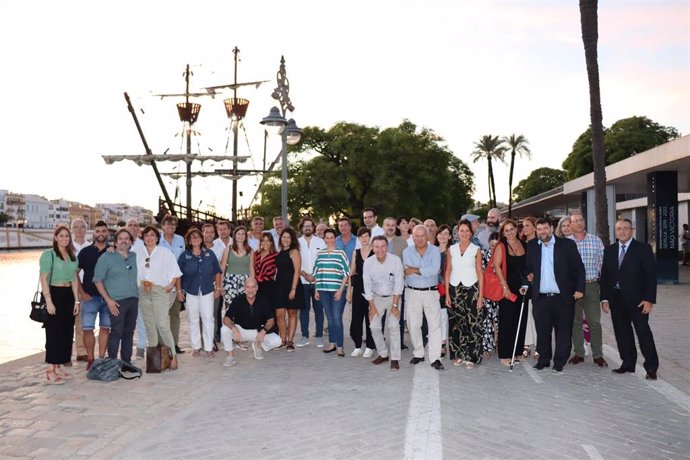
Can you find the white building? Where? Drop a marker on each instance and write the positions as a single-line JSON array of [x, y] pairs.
[[58, 213], [36, 212]]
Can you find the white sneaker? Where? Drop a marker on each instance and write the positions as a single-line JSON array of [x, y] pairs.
[[368, 352], [319, 342], [229, 361], [356, 352], [303, 342], [258, 351]]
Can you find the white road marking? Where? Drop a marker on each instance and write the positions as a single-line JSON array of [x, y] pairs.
[[671, 393], [592, 452], [423, 432]]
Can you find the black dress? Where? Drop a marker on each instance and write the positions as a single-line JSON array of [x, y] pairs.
[[510, 311], [283, 285], [360, 305]]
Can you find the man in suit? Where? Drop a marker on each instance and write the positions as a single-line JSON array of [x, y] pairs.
[[557, 274], [628, 290]]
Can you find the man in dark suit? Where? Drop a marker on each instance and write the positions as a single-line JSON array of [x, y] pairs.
[[557, 274], [628, 290]]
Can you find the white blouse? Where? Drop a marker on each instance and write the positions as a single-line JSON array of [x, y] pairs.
[[162, 266], [463, 266]]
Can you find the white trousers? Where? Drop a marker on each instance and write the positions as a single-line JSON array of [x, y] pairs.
[[270, 342], [384, 304], [444, 324], [200, 307], [419, 304], [531, 330]]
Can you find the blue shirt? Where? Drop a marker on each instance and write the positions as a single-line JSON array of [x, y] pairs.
[[429, 266], [198, 272], [349, 248], [177, 246], [547, 281]]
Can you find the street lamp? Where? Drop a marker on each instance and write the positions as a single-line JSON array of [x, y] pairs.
[[275, 123]]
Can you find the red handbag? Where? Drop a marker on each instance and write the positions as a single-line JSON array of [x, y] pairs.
[[493, 289]]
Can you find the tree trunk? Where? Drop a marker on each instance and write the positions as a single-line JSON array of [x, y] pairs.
[[590, 36], [510, 185], [492, 185]]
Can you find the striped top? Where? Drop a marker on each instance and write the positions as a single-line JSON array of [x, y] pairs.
[[265, 267], [330, 268]]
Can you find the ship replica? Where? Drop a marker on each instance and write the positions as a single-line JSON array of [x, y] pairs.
[[188, 112]]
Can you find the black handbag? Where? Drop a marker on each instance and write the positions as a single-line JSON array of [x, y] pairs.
[[39, 306]]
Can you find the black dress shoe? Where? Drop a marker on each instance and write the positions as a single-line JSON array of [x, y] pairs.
[[179, 350], [651, 375], [437, 365], [576, 359], [379, 360], [215, 346], [540, 366], [622, 370], [330, 350], [403, 347], [416, 360], [394, 365], [558, 369]]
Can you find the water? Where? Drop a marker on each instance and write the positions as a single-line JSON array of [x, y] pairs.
[[19, 336]]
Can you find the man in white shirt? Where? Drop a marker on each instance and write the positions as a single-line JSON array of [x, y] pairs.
[[134, 229], [254, 238], [79, 241], [383, 285], [224, 239], [309, 246], [278, 227], [369, 217]]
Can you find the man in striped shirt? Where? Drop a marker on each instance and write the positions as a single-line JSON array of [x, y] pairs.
[[592, 253]]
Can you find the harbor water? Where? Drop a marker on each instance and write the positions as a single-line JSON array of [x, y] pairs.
[[19, 336]]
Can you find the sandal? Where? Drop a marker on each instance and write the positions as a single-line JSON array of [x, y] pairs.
[[290, 347], [458, 362], [469, 365], [196, 353], [62, 374], [210, 354], [56, 380], [526, 352], [173, 364], [536, 355]]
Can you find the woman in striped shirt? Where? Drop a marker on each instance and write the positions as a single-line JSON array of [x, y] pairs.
[[331, 270], [265, 267]]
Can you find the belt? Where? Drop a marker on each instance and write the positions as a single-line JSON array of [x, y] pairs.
[[592, 281], [384, 296], [430, 288], [548, 294]]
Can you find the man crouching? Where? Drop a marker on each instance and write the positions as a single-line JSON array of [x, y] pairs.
[[249, 318]]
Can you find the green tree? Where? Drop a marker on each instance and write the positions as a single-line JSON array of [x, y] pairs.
[[589, 22], [539, 181], [399, 171], [489, 148], [516, 145], [625, 138], [4, 218]]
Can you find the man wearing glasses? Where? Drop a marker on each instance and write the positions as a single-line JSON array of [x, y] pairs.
[[115, 277]]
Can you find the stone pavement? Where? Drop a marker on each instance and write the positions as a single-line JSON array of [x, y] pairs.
[[307, 405]]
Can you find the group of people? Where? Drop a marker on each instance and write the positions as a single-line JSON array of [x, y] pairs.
[[255, 285]]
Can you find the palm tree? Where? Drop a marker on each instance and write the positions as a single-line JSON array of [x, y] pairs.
[[517, 145], [589, 24], [490, 148]]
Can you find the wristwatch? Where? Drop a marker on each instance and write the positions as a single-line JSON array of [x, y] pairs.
[[395, 305]]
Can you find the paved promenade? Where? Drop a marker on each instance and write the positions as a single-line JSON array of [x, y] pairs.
[[307, 405]]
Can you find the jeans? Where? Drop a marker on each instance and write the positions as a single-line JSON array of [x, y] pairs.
[[92, 308], [309, 300], [334, 313], [121, 336]]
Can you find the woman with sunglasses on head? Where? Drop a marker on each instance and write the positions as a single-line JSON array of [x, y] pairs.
[[199, 286], [157, 275], [59, 282]]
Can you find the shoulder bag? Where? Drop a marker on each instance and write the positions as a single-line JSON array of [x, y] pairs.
[[493, 290], [39, 306]]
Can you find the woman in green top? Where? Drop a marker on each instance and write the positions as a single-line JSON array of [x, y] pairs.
[[237, 265], [58, 267], [331, 271]]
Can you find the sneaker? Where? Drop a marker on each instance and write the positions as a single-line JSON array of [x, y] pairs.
[[368, 352], [140, 353], [258, 351], [356, 352], [319, 342], [303, 342], [229, 361]]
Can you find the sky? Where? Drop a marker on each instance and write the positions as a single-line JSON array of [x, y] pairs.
[[461, 68]]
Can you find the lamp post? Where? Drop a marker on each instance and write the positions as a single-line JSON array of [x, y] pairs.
[[275, 123]]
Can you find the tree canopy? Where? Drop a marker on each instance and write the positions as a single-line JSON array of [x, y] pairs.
[[539, 181], [398, 171], [625, 138]]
